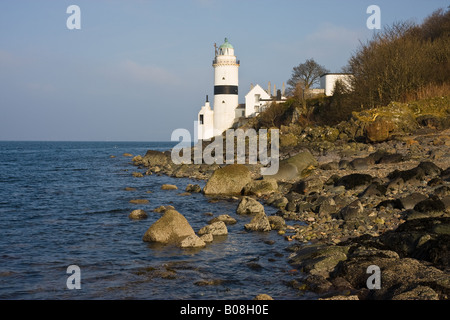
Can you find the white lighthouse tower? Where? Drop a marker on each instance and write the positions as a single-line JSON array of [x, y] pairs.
[[214, 122], [225, 87]]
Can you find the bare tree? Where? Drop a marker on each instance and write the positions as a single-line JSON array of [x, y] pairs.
[[306, 75]]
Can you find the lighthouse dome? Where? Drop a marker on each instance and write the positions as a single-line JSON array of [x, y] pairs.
[[226, 49], [226, 44]]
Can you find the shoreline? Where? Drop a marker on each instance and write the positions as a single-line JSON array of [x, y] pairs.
[[362, 204]]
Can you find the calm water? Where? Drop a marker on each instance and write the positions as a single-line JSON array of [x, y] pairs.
[[64, 203]]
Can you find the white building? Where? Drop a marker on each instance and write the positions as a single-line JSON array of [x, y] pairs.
[[255, 101], [328, 81]]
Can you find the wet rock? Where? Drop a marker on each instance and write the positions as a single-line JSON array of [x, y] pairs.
[[137, 174], [277, 223], [280, 203], [260, 188], [260, 222], [354, 180], [207, 237], [227, 219], [192, 241], [172, 227], [139, 201], [216, 229], [193, 188], [263, 296], [138, 214], [155, 158], [169, 187], [248, 205], [228, 180]]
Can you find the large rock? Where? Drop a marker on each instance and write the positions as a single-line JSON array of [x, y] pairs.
[[354, 180], [138, 214], [171, 228], [228, 180], [192, 241], [248, 205], [318, 259], [295, 167], [260, 187], [379, 130], [154, 158], [260, 222], [216, 229]]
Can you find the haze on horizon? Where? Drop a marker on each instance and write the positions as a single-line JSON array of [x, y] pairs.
[[137, 70]]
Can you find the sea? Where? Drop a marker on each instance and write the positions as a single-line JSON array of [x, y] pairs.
[[64, 204]]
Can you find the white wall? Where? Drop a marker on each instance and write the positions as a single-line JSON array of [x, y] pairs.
[[252, 103], [328, 81], [205, 129]]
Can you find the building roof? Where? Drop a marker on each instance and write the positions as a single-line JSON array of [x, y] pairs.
[[226, 44]]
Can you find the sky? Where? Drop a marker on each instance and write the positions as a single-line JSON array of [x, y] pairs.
[[137, 70]]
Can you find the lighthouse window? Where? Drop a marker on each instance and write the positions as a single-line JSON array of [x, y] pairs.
[[223, 101], [201, 119], [223, 78]]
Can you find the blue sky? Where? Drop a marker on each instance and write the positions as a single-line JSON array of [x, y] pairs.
[[137, 70]]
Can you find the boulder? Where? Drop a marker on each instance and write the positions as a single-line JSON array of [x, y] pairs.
[[379, 130], [139, 201], [192, 241], [295, 167], [228, 180], [354, 180], [216, 229], [169, 187], [260, 188], [352, 211], [171, 228], [277, 223], [155, 158], [260, 222], [138, 215], [248, 205], [318, 259], [193, 188], [225, 218]]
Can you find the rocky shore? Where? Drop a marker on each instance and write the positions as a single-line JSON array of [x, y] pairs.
[[347, 206]]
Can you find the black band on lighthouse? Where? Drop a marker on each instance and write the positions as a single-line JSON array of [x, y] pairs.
[[225, 90]]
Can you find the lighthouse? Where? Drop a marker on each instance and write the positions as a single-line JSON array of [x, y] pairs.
[[214, 122], [225, 87]]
